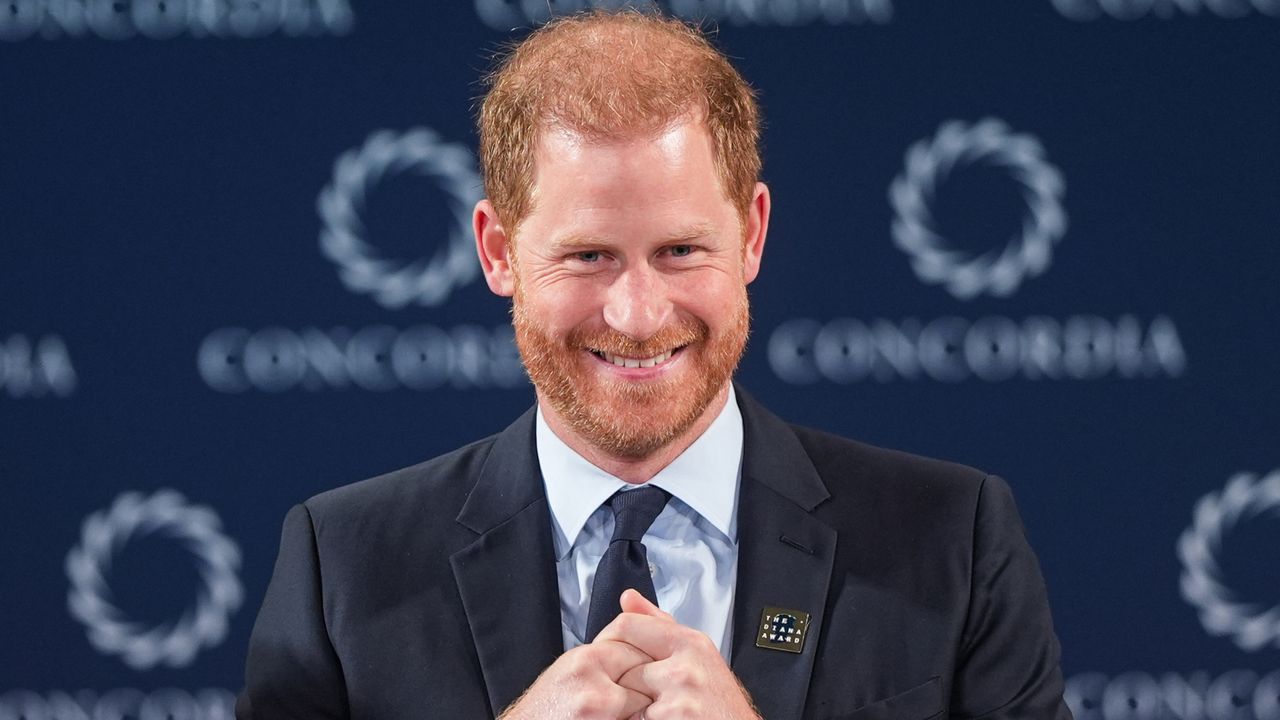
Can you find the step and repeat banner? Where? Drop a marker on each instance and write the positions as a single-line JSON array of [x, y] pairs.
[[1038, 237]]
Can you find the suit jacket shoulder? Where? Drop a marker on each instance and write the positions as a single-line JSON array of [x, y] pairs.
[[937, 601], [402, 499], [892, 499], [364, 616], [854, 466]]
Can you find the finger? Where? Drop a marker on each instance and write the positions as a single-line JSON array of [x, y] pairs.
[[616, 657], [681, 690], [634, 704], [656, 637], [643, 679], [633, 602]]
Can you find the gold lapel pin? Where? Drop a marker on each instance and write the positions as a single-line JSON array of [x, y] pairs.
[[782, 629]]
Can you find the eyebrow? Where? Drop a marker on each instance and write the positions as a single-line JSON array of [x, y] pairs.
[[575, 241], [693, 232]]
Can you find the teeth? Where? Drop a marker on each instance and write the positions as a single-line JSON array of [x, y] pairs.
[[627, 362]]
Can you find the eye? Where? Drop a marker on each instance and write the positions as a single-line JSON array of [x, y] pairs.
[[681, 250], [588, 256]]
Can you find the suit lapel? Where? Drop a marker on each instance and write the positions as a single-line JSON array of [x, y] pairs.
[[785, 557], [507, 577]]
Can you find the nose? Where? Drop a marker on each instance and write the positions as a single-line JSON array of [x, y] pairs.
[[637, 304]]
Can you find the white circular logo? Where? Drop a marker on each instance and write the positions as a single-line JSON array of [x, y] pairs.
[[396, 283], [1002, 269], [1250, 626], [105, 535]]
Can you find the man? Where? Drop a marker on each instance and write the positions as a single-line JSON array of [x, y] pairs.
[[795, 574]]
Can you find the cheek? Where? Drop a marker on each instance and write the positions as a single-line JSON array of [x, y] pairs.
[[716, 303], [561, 309]]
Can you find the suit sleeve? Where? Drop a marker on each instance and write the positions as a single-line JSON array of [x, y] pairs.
[[1009, 655], [292, 670]]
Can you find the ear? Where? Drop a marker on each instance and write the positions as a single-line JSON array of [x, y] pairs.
[[757, 229], [494, 249]]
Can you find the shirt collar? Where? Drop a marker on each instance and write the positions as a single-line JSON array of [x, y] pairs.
[[704, 477]]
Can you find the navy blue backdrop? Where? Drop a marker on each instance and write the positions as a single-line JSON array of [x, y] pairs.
[[1036, 237]]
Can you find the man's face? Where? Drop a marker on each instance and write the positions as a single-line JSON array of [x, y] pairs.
[[629, 283]]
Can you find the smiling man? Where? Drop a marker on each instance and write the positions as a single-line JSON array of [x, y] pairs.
[[647, 542], [630, 289]]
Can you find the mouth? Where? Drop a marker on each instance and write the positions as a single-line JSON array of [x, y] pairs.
[[623, 361]]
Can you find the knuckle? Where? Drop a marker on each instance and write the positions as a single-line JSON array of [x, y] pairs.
[[705, 643], [696, 640], [624, 623], [587, 703], [685, 707], [579, 661], [688, 679], [682, 676]]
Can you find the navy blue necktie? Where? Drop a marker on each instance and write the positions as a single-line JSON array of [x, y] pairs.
[[625, 563]]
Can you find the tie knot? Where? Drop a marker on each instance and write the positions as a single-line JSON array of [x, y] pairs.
[[635, 510]]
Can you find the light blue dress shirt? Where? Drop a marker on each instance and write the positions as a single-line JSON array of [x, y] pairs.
[[692, 546]]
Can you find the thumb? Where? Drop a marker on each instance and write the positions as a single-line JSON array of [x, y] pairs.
[[633, 602]]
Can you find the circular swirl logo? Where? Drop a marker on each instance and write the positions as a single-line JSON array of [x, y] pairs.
[[395, 283], [104, 536], [1250, 625], [999, 271]]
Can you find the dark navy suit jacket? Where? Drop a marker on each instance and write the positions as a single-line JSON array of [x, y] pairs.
[[431, 592]]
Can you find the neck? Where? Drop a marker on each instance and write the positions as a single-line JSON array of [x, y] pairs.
[[635, 470]]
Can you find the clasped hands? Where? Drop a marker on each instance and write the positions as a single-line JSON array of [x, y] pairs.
[[642, 666]]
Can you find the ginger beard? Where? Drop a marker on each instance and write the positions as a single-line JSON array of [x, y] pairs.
[[624, 418]]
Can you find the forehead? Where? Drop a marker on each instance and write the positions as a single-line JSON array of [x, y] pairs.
[[676, 141], [670, 164]]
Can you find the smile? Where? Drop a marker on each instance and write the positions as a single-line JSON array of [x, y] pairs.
[[630, 362]]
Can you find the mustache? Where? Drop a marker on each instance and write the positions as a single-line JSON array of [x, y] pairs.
[[608, 340]]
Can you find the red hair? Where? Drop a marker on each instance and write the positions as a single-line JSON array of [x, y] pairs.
[[613, 76]]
